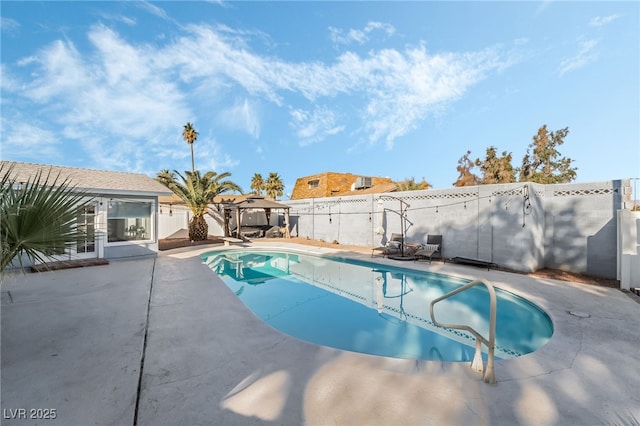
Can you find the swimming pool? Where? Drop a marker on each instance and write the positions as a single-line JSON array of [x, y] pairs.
[[372, 308]]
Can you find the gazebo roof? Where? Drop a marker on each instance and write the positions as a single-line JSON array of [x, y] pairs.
[[257, 202]]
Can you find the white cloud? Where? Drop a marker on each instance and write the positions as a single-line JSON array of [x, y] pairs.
[[209, 156], [585, 55], [313, 126], [242, 116], [119, 97], [340, 36], [118, 18], [153, 9], [110, 101], [8, 83], [8, 24], [600, 21], [28, 140]]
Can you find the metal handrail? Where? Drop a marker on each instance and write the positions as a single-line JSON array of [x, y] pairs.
[[476, 364]]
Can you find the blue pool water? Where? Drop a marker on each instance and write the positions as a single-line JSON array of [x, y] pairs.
[[370, 308]]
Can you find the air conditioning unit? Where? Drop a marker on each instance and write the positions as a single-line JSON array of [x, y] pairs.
[[363, 182]]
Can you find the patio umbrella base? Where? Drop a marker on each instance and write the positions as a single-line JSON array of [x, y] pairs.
[[401, 257]]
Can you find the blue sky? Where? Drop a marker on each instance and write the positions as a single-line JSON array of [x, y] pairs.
[[397, 89]]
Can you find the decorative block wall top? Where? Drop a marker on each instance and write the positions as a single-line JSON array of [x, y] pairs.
[[579, 192]]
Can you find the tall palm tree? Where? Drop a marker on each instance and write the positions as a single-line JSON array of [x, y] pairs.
[[197, 191], [190, 135], [257, 183], [39, 217], [274, 186]]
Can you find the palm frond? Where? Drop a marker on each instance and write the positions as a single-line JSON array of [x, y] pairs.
[[195, 189], [39, 217]]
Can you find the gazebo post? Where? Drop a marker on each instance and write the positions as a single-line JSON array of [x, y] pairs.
[[286, 224], [226, 214], [238, 222]]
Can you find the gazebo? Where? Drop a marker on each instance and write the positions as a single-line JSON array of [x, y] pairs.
[[254, 202]]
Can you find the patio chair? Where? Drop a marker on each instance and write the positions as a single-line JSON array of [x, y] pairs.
[[393, 246], [431, 250]]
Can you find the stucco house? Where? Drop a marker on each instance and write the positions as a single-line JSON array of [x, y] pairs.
[[331, 184], [122, 215]]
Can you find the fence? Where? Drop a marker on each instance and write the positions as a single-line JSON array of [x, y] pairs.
[[521, 226]]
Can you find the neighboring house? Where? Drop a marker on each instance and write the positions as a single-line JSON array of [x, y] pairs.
[[122, 216], [330, 184]]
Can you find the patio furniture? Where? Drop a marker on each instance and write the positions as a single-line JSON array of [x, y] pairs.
[[393, 246], [250, 232], [431, 250]]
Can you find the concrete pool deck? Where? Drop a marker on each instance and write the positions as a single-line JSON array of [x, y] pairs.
[[73, 341]]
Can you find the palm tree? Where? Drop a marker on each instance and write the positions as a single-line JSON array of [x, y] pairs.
[[257, 184], [39, 217], [197, 191], [274, 186], [190, 135]]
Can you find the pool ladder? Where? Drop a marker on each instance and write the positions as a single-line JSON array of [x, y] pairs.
[[477, 364]]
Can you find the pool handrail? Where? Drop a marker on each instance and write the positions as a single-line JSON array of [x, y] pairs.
[[476, 364]]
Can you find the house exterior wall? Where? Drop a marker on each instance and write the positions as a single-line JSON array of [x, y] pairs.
[[328, 184], [147, 247], [138, 248], [122, 211], [521, 226]]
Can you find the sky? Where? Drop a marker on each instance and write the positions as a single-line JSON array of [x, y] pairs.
[[393, 89]]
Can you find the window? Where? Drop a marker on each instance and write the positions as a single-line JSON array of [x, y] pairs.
[[129, 220], [313, 183]]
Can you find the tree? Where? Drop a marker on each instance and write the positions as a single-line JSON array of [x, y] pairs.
[[257, 184], [412, 185], [466, 177], [274, 186], [544, 164], [496, 169], [197, 191], [190, 135], [39, 217]]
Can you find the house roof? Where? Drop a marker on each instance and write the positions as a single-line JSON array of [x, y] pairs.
[[331, 184], [89, 180], [257, 202], [376, 189], [222, 198]]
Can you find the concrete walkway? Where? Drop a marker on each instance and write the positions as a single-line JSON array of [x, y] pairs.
[[73, 340]]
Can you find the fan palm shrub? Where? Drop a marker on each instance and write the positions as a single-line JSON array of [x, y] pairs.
[[39, 217], [197, 191]]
